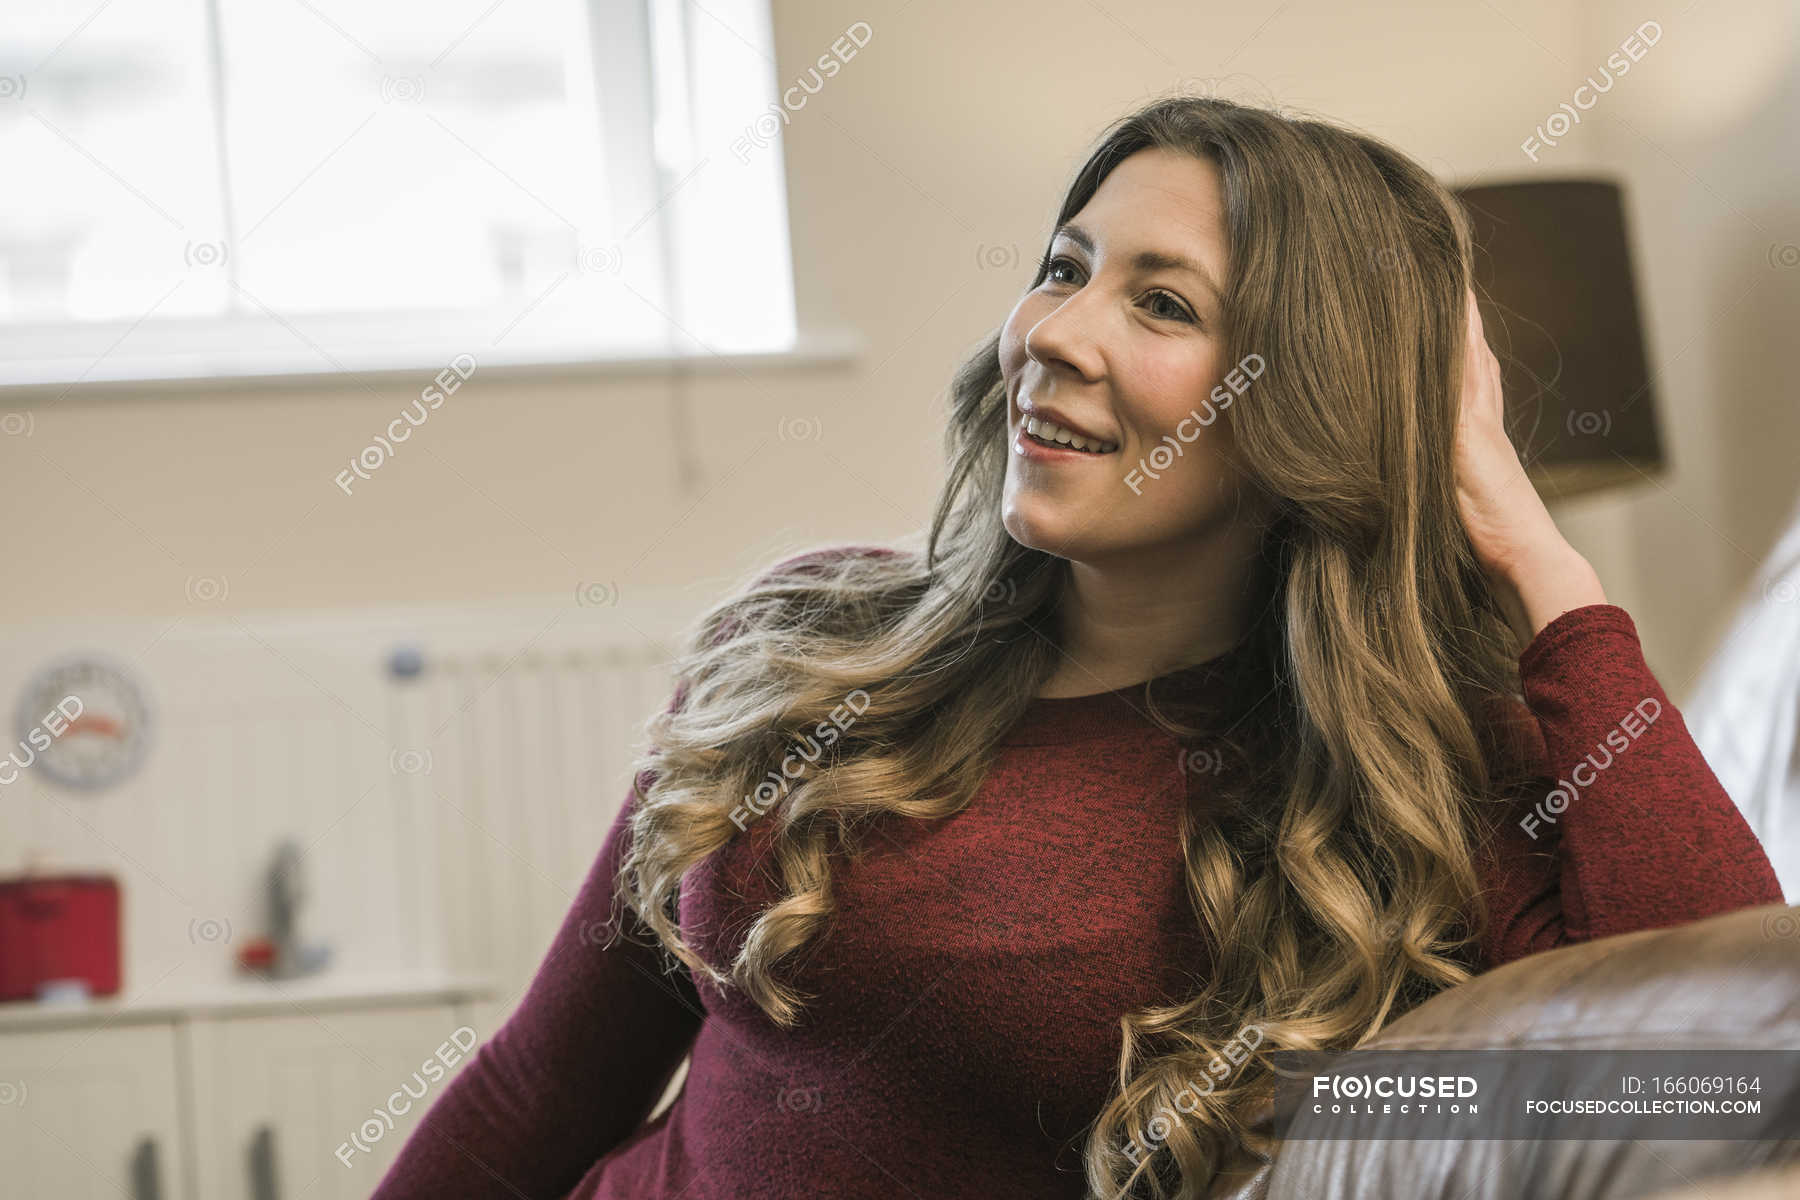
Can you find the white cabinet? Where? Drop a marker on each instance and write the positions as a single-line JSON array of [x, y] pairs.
[[323, 1103], [299, 1092], [91, 1114]]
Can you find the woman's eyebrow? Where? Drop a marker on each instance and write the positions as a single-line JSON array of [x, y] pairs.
[[1146, 260]]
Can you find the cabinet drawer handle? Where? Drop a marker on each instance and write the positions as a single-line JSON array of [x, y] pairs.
[[146, 1177], [262, 1164]]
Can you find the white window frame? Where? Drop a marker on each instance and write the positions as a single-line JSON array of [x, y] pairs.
[[643, 176]]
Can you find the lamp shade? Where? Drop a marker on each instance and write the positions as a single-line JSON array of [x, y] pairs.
[[1559, 307]]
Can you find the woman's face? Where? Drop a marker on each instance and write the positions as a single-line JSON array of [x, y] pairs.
[[1124, 341]]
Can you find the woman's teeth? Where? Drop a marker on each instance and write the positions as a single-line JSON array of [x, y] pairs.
[[1056, 435]]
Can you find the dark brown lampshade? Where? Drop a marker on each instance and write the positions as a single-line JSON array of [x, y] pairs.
[[1559, 308]]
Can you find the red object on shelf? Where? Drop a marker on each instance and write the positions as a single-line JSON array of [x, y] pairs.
[[258, 954], [58, 927]]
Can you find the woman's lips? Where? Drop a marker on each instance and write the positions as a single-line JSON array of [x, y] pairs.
[[1026, 446]]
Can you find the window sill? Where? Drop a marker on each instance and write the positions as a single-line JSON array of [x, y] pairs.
[[226, 370]]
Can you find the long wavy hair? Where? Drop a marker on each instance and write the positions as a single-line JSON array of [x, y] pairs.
[[1337, 882]]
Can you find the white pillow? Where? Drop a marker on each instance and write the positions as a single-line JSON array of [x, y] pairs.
[[1745, 710]]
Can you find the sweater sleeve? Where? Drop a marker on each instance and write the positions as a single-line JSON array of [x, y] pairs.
[[574, 1070], [1628, 829], [584, 1057]]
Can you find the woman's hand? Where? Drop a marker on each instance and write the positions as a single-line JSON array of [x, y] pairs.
[[1534, 571]]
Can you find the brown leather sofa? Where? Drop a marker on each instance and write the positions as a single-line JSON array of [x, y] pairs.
[[1726, 982], [1772, 1183]]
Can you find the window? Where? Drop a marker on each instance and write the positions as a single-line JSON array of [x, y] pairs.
[[246, 187]]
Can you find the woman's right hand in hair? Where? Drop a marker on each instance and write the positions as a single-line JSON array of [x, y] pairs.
[[1535, 572]]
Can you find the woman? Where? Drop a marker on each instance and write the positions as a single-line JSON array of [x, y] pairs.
[[1194, 732]]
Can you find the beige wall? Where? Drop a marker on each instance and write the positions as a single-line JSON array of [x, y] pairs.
[[953, 133], [1709, 147]]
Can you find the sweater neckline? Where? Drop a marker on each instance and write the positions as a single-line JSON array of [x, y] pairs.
[[1055, 720]]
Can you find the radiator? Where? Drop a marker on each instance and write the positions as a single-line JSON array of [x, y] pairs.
[[507, 774]]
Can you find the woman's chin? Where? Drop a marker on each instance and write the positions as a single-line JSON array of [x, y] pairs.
[[1041, 524]]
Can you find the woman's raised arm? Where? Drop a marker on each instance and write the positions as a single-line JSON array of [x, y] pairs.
[[1630, 829]]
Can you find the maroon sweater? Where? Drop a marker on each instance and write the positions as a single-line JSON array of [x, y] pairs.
[[967, 1025]]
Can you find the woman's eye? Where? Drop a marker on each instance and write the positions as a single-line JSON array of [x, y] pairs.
[[1172, 307], [1052, 265]]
